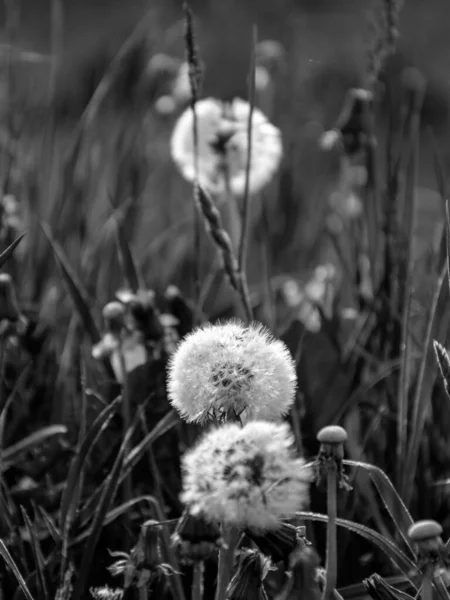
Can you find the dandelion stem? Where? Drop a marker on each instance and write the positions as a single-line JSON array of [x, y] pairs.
[[197, 584], [230, 536], [143, 593], [331, 556], [127, 491], [427, 584]]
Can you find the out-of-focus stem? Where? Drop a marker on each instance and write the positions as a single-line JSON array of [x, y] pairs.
[[226, 557], [331, 556], [197, 584]]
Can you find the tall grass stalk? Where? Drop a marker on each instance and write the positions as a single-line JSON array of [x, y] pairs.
[[195, 86], [415, 91]]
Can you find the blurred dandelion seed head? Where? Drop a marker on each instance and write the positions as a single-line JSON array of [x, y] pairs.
[[223, 146], [231, 367], [246, 476]]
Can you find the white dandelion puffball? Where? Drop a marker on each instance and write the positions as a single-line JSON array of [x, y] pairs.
[[231, 367], [247, 476], [223, 146]]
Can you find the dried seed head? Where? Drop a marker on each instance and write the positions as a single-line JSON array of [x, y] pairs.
[[425, 530], [427, 535], [332, 434], [331, 454]]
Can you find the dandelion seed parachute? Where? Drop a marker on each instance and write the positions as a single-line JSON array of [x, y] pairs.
[[247, 476], [230, 367], [223, 148]]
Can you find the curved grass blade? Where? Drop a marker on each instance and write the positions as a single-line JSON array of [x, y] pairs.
[[108, 493], [134, 456], [392, 501], [95, 431], [6, 254], [50, 524], [77, 293], [163, 426], [405, 564], [38, 556], [12, 565], [126, 259], [114, 514], [10, 454]]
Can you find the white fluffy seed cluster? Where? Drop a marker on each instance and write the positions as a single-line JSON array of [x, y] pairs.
[[231, 367], [247, 476], [222, 150]]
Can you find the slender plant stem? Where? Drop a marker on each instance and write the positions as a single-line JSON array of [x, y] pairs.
[[127, 490], [226, 557], [197, 584], [427, 584], [331, 557], [143, 593], [247, 196]]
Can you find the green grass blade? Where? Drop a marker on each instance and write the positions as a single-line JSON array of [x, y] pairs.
[[405, 564], [77, 293], [75, 288], [109, 491], [114, 514], [37, 552], [422, 394], [163, 426], [126, 260], [11, 454], [392, 501], [135, 455], [50, 524], [6, 254], [95, 431], [12, 565]]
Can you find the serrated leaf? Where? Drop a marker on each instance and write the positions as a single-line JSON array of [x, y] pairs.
[[9, 455], [6, 254], [12, 565], [405, 564]]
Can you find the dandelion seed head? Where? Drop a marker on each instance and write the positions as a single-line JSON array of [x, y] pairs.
[[223, 146], [231, 367], [246, 476]]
